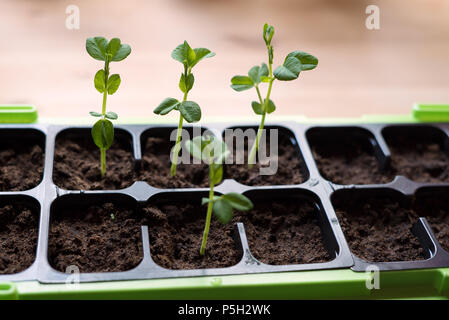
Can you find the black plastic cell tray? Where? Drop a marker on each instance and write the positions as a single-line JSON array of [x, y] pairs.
[[315, 187]]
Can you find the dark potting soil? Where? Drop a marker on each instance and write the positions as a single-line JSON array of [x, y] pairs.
[[176, 231], [101, 238], [155, 168], [284, 232], [378, 229], [18, 237], [77, 164], [418, 157], [290, 166], [348, 161], [21, 165], [436, 210]]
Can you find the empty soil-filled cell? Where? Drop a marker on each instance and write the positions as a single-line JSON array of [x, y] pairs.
[[378, 227], [346, 156], [434, 206], [176, 231], [21, 159], [77, 163], [101, 237], [418, 152], [285, 231], [19, 223], [287, 168], [156, 163]]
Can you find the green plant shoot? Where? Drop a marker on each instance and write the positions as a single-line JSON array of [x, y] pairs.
[[103, 130], [214, 152], [294, 63], [188, 110]]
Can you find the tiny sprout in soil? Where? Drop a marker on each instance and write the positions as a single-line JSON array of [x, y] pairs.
[[214, 152], [188, 110], [101, 49], [294, 63]]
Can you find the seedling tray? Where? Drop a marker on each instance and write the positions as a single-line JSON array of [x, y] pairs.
[[345, 270]]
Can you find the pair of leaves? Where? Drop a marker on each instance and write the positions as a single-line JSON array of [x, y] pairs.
[[190, 57], [101, 49], [186, 83], [190, 110], [109, 115], [294, 63], [103, 134], [255, 76], [110, 85], [223, 206], [208, 149], [259, 109]]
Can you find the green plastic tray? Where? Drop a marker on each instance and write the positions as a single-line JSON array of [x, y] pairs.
[[327, 284]]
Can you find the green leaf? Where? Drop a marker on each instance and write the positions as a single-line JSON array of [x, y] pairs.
[[207, 200], [270, 106], [97, 47], [99, 81], [103, 133], [191, 111], [184, 54], [289, 70], [253, 73], [111, 115], [113, 83], [122, 52], [263, 71], [215, 173], [166, 106], [95, 114], [113, 46], [223, 210], [257, 108], [200, 54], [238, 201], [186, 84], [265, 79], [195, 147], [308, 62], [240, 83]]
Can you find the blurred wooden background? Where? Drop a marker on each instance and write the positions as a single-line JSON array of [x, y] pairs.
[[360, 71]]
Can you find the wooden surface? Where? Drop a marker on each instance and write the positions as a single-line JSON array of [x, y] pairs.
[[360, 71]]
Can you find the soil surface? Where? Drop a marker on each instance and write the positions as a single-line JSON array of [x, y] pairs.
[[378, 229], [348, 161], [77, 164], [176, 232], [419, 158], [95, 241], [436, 210], [290, 166], [21, 165], [18, 237], [155, 168], [285, 232]]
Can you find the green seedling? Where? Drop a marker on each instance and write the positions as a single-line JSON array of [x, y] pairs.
[[294, 63], [188, 110], [214, 152], [108, 51]]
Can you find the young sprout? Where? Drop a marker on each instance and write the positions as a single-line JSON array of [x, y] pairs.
[[294, 63], [101, 49], [214, 152], [188, 110]]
